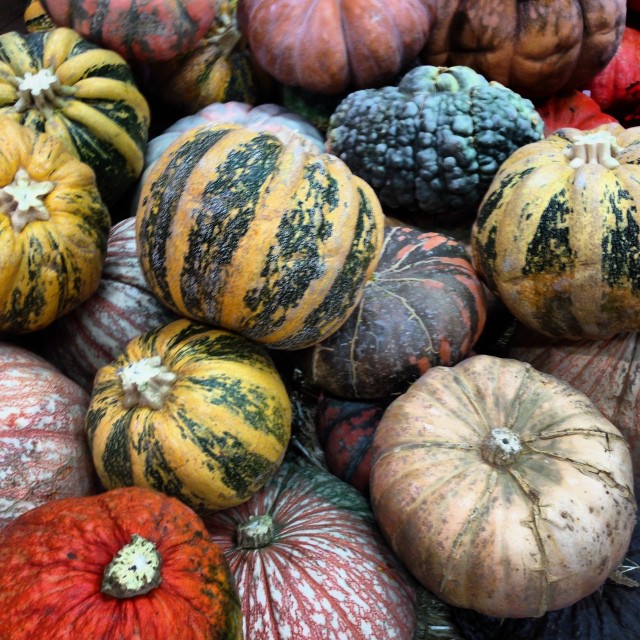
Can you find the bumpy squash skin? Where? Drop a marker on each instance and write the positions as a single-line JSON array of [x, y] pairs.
[[221, 432], [53, 558], [237, 229], [558, 245], [50, 266]]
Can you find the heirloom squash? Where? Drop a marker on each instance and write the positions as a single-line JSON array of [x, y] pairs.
[[238, 229], [36, 18], [58, 82], [309, 562], [501, 488], [199, 413], [53, 229], [43, 451], [129, 563], [557, 234]]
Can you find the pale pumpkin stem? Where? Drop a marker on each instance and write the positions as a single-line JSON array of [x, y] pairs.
[[134, 570], [256, 532], [598, 147], [146, 383], [501, 447], [42, 91], [21, 200]]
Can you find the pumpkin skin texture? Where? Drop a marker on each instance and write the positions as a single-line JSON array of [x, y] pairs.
[[82, 94], [555, 235], [36, 18], [424, 307], [64, 547], [208, 426], [501, 488], [97, 331], [53, 229], [238, 229], [43, 451], [139, 30], [309, 562]]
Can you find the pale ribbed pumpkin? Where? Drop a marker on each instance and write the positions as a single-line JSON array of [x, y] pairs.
[[238, 229], [198, 413]]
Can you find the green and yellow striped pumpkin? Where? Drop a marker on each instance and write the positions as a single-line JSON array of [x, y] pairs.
[[36, 18], [58, 82], [238, 229], [201, 414], [557, 236]]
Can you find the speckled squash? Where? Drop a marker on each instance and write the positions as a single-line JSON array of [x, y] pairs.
[[241, 230], [128, 563], [58, 82], [309, 562], [558, 231], [36, 18], [43, 451], [503, 489], [53, 229], [199, 413]]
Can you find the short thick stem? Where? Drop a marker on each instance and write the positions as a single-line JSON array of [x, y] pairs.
[[22, 200], [256, 532], [42, 91], [146, 383], [501, 447], [599, 147]]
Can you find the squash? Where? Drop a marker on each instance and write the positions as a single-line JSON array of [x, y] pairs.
[[53, 229], [424, 307], [198, 413], [58, 82], [36, 18], [502, 489], [98, 330], [557, 233], [43, 452], [309, 562], [139, 30], [128, 563], [238, 229]]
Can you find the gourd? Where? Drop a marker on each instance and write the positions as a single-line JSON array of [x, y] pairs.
[[43, 451], [127, 563], [53, 229], [36, 18], [238, 229], [556, 234], [502, 489], [198, 413]]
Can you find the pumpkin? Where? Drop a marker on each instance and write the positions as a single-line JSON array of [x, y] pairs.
[[502, 489], [36, 18], [238, 229], [97, 331], [557, 233], [43, 452], [424, 307], [53, 229], [309, 562], [139, 30], [198, 413], [128, 563], [58, 82]]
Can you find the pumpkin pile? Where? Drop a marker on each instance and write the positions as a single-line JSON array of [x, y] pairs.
[[319, 320]]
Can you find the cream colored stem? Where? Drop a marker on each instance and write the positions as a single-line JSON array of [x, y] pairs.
[[598, 147], [42, 91], [501, 447], [21, 200], [146, 383]]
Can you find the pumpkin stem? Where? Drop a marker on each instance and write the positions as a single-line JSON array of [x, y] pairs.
[[146, 383], [42, 91], [501, 447], [256, 532], [21, 200], [134, 570], [598, 147]]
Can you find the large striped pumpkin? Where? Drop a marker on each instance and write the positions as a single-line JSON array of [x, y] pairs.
[[558, 232], [239, 229], [198, 413], [58, 82]]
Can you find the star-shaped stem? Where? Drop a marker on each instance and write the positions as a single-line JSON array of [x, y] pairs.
[[22, 200], [42, 91]]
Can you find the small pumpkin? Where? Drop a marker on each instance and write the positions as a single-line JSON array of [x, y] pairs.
[[198, 413], [128, 563], [238, 229], [502, 489], [53, 229]]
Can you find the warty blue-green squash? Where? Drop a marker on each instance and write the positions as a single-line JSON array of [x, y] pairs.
[[271, 239]]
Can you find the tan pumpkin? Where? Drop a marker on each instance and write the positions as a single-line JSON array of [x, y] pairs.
[[503, 489]]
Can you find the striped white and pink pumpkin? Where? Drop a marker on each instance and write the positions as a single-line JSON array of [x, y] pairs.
[[310, 563], [43, 450], [97, 331]]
